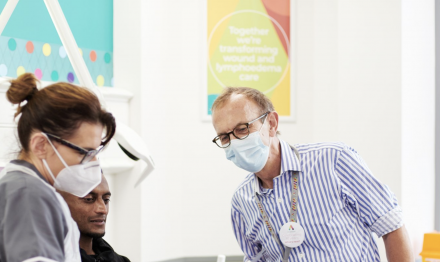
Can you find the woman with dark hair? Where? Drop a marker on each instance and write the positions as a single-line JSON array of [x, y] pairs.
[[60, 129]]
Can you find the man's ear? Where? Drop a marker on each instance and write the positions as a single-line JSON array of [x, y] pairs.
[[39, 146], [273, 123]]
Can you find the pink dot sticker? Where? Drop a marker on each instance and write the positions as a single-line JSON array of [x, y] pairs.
[[38, 73], [29, 47], [93, 56]]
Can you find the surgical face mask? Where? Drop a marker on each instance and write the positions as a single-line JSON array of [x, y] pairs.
[[79, 179], [250, 154]]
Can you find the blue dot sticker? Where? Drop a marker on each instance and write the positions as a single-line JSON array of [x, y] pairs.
[[12, 44], [54, 76], [107, 58], [62, 52], [3, 70]]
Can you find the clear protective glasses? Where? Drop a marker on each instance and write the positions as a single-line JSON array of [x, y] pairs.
[[88, 154], [241, 131]]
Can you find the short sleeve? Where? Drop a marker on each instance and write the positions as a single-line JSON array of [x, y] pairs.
[[372, 200], [33, 225], [249, 249]]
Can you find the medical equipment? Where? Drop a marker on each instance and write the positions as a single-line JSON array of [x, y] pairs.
[[129, 141]]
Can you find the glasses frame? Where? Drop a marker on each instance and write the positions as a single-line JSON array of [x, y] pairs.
[[232, 132], [87, 153]]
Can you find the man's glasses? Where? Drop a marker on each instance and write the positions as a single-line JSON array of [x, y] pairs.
[[88, 154], [240, 132]]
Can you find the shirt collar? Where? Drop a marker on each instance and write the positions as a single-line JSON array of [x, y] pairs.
[[289, 162]]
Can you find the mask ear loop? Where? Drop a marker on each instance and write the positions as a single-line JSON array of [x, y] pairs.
[[56, 152], [270, 138], [48, 169]]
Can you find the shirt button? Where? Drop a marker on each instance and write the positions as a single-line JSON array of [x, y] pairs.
[[301, 255], [279, 200]]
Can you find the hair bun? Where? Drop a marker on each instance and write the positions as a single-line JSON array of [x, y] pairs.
[[23, 88]]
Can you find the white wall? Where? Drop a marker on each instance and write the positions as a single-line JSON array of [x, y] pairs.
[[350, 87], [126, 205], [186, 208], [418, 114]]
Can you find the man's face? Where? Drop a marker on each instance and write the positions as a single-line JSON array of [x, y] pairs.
[[237, 110], [90, 212]]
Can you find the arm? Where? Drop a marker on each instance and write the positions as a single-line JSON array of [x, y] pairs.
[[398, 246], [374, 203], [238, 225]]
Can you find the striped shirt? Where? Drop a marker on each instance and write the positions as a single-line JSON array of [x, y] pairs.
[[340, 205]]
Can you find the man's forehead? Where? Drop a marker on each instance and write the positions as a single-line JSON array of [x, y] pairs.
[[102, 188], [239, 103], [237, 109]]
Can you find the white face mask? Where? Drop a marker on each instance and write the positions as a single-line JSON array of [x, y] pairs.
[[77, 180]]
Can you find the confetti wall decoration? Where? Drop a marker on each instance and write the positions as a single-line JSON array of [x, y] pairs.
[[30, 42]]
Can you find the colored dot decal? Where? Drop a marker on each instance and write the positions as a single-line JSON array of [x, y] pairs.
[[100, 80], [54, 76], [12, 44], [70, 77], [29, 47], [46, 49], [80, 51], [38, 73], [107, 58], [62, 52], [20, 70], [3, 70], [93, 56]]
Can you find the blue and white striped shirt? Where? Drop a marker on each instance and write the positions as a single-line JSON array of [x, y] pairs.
[[340, 204]]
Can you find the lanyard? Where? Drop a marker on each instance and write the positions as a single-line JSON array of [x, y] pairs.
[[293, 211]]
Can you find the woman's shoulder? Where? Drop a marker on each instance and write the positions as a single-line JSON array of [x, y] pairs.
[[27, 186]]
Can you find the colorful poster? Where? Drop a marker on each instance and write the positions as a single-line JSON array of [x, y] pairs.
[[249, 45]]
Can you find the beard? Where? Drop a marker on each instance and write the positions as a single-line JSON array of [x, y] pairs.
[[93, 235]]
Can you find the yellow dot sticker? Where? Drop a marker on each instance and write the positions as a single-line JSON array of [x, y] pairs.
[[20, 70], [80, 51], [47, 49], [100, 80]]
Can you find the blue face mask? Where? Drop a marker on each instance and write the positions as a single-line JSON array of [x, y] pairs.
[[250, 154]]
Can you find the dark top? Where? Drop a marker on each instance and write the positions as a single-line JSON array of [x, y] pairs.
[[103, 253]]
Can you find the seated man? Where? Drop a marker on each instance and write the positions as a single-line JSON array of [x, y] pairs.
[[90, 213]]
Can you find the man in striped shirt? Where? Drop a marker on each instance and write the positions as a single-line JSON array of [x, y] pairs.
[[326, 189]]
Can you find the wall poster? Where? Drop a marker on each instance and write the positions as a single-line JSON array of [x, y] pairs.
[[249, 44]]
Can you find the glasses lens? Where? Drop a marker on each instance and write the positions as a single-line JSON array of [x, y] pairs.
[[241, 131], [222, 140], [91, 154]]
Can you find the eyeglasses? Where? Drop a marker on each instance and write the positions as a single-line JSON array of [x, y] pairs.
[[240, 132], [88, 154]]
